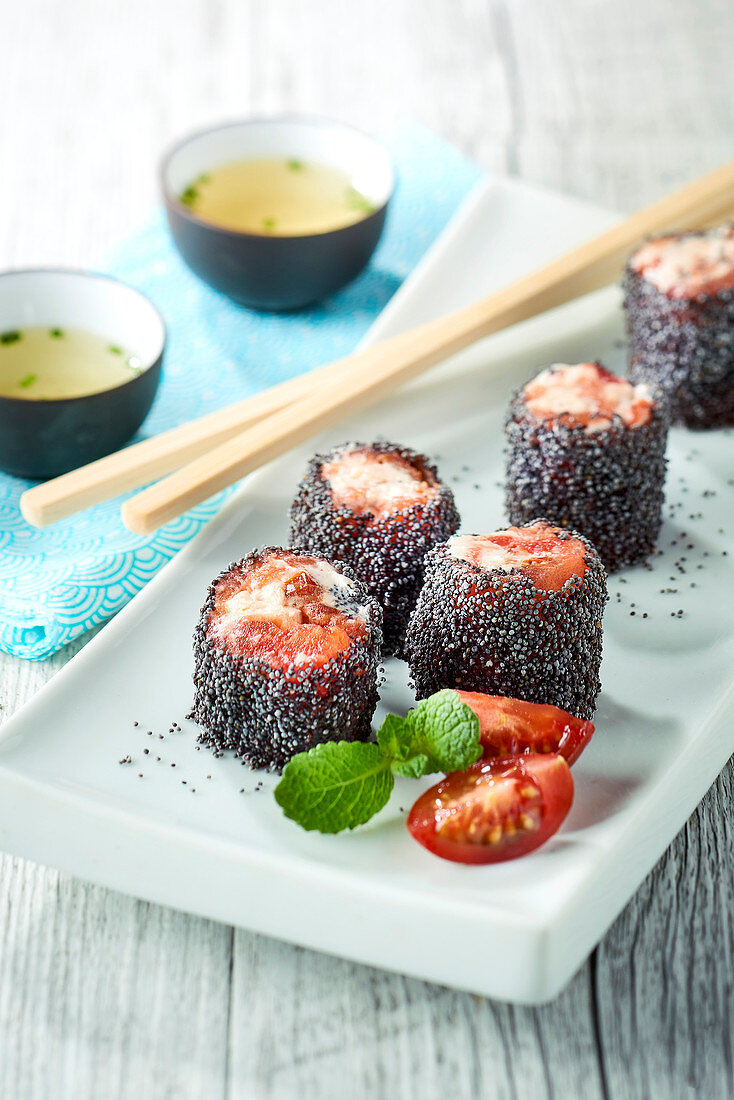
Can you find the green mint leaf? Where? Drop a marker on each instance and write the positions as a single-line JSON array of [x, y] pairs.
[[396, 739], [337, 785], [415, 767], [444, 731], [392, 735]]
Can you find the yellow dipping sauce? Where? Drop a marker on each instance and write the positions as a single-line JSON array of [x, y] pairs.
[[45, 363], [276, 197]]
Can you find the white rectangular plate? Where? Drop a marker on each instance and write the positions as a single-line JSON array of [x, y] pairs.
[[217, 843]]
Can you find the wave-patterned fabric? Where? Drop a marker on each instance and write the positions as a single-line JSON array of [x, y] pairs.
[[58, 582]]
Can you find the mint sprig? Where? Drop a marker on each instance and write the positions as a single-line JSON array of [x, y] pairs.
[[342, 784], [440, 735], [337, 785]]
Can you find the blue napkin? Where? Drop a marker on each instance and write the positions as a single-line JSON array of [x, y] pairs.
[[59, 582]]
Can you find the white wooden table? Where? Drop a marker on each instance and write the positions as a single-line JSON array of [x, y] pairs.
[[103, 996]]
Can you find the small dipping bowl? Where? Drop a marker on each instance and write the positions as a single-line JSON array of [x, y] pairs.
[[44, 438], [268, 271]]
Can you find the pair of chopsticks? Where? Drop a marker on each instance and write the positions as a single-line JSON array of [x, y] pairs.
[[198, 459]]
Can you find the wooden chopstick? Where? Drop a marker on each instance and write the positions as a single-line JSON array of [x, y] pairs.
[[375, 372], [153, 458]]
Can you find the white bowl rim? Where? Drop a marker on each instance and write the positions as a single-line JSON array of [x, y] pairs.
[[288, 119]]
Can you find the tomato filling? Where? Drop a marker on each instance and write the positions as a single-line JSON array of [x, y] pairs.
[[495, 810], [540, 551], [365, 480], [513, 727], [586, 395], [286, 610], [688, 265]]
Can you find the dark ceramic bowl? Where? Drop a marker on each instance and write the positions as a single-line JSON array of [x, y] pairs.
[[40, 439], [265, 271]]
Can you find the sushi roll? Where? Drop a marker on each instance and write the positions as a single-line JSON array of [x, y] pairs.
[[516, 613], [679, 302], [286, 653], [380, 508], [586, 450]]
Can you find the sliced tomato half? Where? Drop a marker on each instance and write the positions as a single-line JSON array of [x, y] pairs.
[[495, 810], [512, 727]]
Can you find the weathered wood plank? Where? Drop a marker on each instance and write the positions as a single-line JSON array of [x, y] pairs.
[[620, 101], [307, 1025], [101, 995], [665, 971]]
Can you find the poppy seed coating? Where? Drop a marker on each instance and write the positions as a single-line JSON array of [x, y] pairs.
[[607, 484], [267, 714], [385, 551], [683, 346], [492, 631]]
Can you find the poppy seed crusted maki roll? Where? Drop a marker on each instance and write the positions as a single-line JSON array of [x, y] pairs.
[[679, 302], [516, 613], [380, 507], [286, 653], [587, 450]]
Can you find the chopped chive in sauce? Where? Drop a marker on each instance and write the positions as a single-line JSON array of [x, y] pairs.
[[188, 196], [114, 349], [56, 333], [203, 178], [9, 337], [357, 201], [295, 165], [269, 223], [28, 381]]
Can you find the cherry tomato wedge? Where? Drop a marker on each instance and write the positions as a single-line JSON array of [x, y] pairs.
[[495, 810], [512, 727]]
